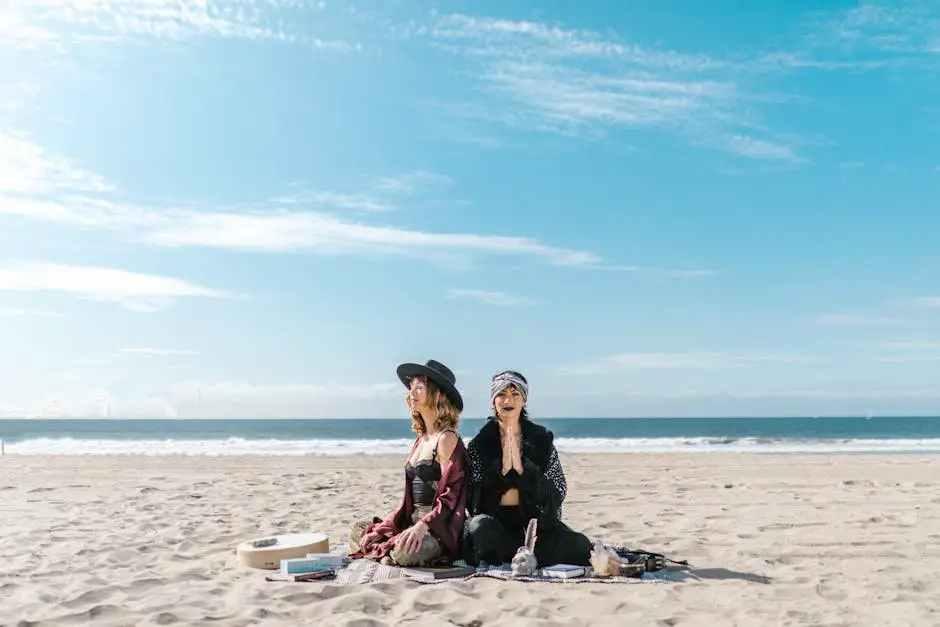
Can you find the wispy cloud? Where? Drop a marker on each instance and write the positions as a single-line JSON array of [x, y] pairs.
[[157, 352], [856, 319], [334, 200], [410, 182], [29, 23], [131, 290], [834, 392], [911, 345], [232, 390], [673, 273], [50, 188], [497, 299], [930, 302], [904, 359], [677, 361], [270, 230], [579, 82], [6, 311], [381, 195], [214, 399], [910, 28], [26, 168]]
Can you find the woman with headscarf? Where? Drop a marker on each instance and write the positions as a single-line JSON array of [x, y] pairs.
[[515, 476], [428, 523]]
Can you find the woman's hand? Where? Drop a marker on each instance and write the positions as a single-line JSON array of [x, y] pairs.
[[517, 455], [410, 540], [508, 440], [512, 455], [369, 540]]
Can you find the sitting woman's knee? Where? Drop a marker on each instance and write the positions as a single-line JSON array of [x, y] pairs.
[[481, 523]]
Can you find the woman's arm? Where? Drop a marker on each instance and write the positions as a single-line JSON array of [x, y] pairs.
[[542, 490]]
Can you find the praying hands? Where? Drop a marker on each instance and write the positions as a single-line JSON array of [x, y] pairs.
[[512, 456]]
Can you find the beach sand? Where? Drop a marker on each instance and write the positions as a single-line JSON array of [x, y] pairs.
[[773, 540]]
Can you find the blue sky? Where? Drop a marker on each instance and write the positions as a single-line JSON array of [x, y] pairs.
[[258, 208]]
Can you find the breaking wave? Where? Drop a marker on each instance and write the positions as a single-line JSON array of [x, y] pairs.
[[333, 447]]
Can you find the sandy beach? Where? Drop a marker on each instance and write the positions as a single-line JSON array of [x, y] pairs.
[[772, 539]]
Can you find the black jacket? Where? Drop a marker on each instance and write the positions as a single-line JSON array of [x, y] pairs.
[[542, 486]]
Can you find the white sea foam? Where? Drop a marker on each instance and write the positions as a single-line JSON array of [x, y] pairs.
[[745, 445], [333, 447]]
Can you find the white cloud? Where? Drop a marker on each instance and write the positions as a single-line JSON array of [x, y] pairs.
[[911, 345], [26, 168], [497, 299], [930, 302], [220, 399], [232, 390], [284, 400], [677, 361], [50, 188], [855, 319], [28, 23], [47, 187], [270, 230], [157, 352], [410, 182], [911, 28], [675, 273], [579, 82], [866, 393], [16, 31], [335, 200], [6, 311], [384, 194], [131, 290], [903, 359]]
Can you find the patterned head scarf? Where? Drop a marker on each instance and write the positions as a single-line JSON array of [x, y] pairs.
[[503, 380]]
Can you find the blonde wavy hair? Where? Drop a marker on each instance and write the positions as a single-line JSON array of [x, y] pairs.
[[447, 415]]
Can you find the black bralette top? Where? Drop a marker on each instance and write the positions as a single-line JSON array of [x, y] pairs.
[[423, 478]]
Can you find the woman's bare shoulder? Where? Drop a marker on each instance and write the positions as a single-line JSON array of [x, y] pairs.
[[447, 444]]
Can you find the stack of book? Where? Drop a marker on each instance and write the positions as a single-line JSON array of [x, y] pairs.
[[427, 574], [310, 568], [564, 571]]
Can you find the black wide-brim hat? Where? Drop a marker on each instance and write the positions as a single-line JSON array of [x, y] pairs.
[[437, 372]]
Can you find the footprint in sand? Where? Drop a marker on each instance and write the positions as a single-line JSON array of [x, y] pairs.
[[92, 596], [166, 618], [829, 592]]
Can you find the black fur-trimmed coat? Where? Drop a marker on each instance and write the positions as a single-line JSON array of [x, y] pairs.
[[542, 485]]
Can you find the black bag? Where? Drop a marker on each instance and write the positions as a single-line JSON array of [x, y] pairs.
[[635, 563]]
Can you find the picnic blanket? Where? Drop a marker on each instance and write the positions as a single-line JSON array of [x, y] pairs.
[[363, 571]]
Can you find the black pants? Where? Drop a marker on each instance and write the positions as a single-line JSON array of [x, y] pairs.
[[494, 540]]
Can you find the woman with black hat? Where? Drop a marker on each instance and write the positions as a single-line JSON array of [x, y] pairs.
[[427, 525], [515, 476]]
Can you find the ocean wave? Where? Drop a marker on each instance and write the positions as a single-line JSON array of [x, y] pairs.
[[746, 445], [335, 447]]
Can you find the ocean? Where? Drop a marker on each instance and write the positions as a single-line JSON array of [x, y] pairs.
[[572, 435]]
